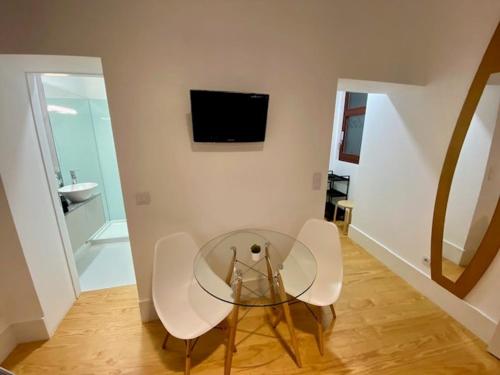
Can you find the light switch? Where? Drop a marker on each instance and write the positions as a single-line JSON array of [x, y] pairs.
[[317, 181], [142, 198]]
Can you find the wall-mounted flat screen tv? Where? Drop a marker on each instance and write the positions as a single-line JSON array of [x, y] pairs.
[[220, 116]]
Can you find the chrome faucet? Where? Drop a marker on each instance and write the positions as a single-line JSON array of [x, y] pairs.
[[73, 176]]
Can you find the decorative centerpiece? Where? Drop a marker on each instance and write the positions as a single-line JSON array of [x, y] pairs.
[[255, 249]]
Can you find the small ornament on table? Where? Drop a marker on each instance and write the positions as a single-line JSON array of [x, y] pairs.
[[256, 251]]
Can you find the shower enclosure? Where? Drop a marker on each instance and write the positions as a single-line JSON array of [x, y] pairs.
[[83, 145], [77, 126]]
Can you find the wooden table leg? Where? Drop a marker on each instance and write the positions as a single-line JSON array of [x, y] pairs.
[[231, 267], [289, 321], [232, 329], [270, 278]]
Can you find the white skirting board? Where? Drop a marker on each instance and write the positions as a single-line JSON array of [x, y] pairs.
[[8, 342], [473, 319], [452, 252], [494, 345], [17, 333], [147, 310]]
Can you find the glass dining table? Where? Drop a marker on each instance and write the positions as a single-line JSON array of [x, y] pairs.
[[264, 268]]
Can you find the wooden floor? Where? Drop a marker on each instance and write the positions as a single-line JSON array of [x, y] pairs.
[[383, 326], [451, 270]]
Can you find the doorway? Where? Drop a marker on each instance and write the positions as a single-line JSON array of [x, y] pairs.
[[345, 153], [77, 130]]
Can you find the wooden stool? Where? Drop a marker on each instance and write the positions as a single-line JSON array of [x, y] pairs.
[[348, 206]]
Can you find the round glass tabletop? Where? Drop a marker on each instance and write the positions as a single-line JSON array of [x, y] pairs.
[[262, 267]]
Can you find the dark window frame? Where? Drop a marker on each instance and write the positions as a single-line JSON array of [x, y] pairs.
[[349, 112]]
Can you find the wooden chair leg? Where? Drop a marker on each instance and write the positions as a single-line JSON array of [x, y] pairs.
[[319, 323], [347, 214], [164, 345], [188, 357], [318, 318], [335, 213], [333, 311], [270, 278]]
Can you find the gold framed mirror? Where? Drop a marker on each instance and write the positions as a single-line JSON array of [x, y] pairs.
[[466, 223]]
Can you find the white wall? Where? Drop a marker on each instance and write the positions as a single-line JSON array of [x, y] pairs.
[[396, 187], [370, 87], [469, 176], [154, 52], [494, 345], [340, 167], [15, 281], [490, 188], [482, 295]]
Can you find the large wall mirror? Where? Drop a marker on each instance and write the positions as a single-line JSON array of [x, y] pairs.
[[475, 187], [466, 224]]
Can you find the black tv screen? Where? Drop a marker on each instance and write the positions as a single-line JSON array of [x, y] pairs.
[[220, 116]]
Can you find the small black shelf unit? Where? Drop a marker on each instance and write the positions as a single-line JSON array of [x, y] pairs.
[[334, 194]]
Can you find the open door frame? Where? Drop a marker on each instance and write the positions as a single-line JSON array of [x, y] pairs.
[[41, 120]]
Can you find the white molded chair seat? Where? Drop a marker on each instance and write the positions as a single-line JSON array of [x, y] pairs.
[[184, 308], [322, 296], [322, 238], [193, 313]]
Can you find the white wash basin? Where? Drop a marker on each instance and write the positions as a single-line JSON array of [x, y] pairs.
[[78, 192]]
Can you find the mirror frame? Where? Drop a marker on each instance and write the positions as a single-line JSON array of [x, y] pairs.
[[488, 248]]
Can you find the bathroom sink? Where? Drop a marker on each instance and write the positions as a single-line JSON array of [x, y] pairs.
[[78, 192]]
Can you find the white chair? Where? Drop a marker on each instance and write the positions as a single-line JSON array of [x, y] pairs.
[[184, 308], [322, 238]]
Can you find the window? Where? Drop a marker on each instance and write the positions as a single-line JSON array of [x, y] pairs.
[[352, 126]]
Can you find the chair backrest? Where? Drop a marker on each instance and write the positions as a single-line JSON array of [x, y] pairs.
[[322, 238], [173, 264]]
